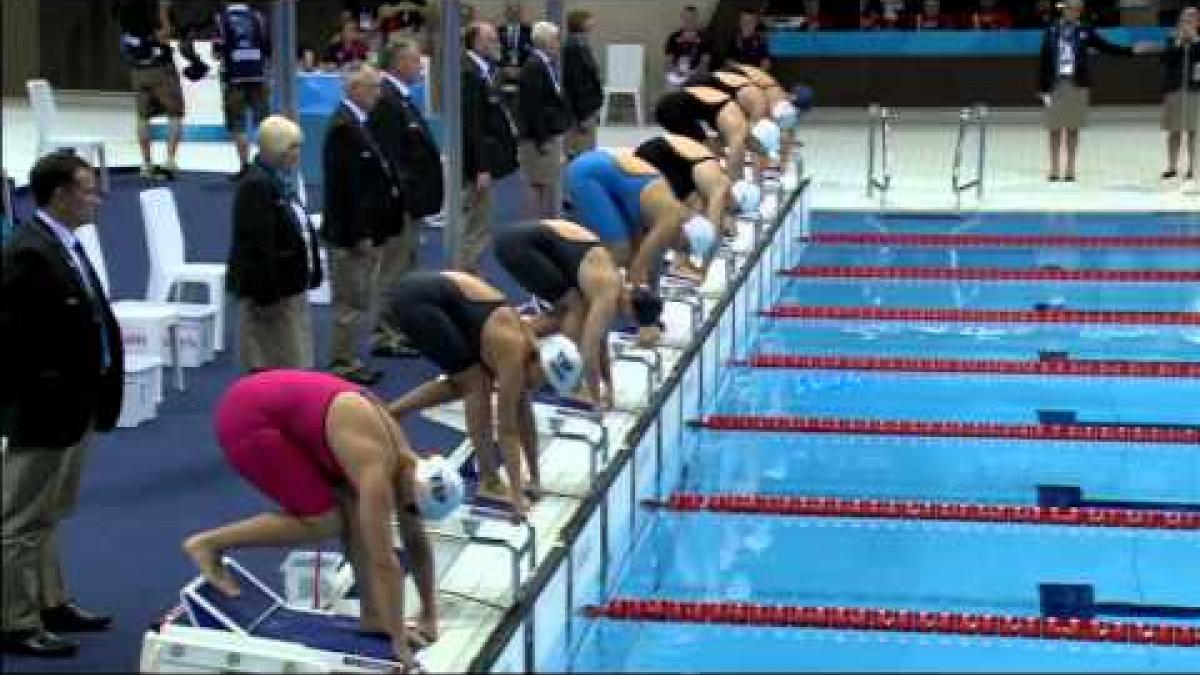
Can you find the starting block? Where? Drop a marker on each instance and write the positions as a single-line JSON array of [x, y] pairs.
[[258, 632]]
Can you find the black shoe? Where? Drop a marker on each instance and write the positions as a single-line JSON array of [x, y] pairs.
[[394, 350], [1189, 175], [1169, 174], [37, 642], [164, 173], [1069, 178], [1053, 178], [71, 618]]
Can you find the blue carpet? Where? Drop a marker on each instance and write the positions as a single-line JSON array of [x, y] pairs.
[[145, 489]]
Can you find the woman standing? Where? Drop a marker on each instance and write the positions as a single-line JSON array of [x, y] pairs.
[[1181, 85], [273, 259]]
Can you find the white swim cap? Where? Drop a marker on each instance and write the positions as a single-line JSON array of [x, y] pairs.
[[701, 234], [439, 488], [747, 196], [561, 363], [785, 114], [766, 132]]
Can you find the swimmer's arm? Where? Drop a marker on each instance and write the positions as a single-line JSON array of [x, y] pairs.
[[510, 388], [735, 157], [529, 439], [420, 553], [715, 185], [432, 393], [649, 252], [385, 576]]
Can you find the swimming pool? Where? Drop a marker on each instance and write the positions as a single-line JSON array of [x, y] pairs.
[[912, 547]]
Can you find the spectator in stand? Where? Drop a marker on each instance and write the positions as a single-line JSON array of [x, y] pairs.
[[581, 83], [814, 18], [991, 17], [749, 46], [931, 17], [870, 14], [349, 49], [1044, 15], [1181, 86], [688, 50], [894, 14], [400, 19]]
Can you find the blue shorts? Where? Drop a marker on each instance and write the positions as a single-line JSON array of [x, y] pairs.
[[606, 199]]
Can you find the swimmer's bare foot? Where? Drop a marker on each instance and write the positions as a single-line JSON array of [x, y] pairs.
[[495, 490], [208, 560]]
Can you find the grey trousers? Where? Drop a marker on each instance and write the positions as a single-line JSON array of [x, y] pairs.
[[278, 335], [397, 257], [40, 489], [353, 275], [476, 234]]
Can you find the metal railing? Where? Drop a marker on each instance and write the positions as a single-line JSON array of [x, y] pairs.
[[755, 280], [879, 152], [972, 118]]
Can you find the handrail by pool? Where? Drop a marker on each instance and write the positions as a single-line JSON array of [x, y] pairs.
[[521, 613]]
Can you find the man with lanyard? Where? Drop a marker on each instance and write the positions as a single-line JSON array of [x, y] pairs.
[[243, 44], [544, 119], [489, 141], [405, 137], [1065, 80]]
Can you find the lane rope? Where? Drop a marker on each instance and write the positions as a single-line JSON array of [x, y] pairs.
[[990, 274], [787, 505], [1049, 367], [1052, 316], [1001, 240], [1060, 432], [895, 621]]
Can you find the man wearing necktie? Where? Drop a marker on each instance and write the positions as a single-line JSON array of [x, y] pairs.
[[362, 199], [63, 379], [489, 141], [405, 138], [544, 119]]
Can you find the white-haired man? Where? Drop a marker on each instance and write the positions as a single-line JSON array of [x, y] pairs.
[[543, 119]]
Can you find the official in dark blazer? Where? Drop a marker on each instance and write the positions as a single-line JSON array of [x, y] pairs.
[[544, 118], [489, 140], [581, 83], [1181, 91], [273, 259], [516, 38], [362, 198], [405, 138], [1065, 80], [63, 378]]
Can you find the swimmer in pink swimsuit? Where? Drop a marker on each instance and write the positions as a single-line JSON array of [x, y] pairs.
[[336, 463]]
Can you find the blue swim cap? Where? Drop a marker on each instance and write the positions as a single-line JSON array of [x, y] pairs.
[[802, 97]]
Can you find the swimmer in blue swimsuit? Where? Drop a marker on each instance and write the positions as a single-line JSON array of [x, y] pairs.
[[628, 204]]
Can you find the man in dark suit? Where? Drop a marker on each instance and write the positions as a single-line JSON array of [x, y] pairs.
[[63, 379], [516, 43], [362, 198], [581, 83], [544, 118], [489, 141], [406, 140]]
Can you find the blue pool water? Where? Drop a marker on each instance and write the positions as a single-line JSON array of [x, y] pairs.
[[923, 565]]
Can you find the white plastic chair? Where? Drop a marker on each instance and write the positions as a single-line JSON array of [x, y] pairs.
[[624, 68], [168, 266], [45, 112]]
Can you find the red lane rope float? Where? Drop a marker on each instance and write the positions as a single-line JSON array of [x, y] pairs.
[[780, 505], [1057, 316], [1059, 432], [1021, 241], [1006, 367], [895, 621], [990, 274]]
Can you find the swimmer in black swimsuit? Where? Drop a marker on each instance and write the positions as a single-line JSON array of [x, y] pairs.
[[464, 326], [688, 111], [567, 265]]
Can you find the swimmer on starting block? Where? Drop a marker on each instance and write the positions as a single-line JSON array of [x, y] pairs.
[[696, 178], [786, 106], [690, 110], [465, 326], [628, 204], [567, 265], [330, 456]]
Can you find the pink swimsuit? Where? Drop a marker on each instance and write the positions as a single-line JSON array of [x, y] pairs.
[[271, 426]]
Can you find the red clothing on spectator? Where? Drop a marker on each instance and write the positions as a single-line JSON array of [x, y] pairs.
[[340, 53], [993, 19]]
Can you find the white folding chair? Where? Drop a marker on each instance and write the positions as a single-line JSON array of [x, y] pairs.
[[624, 68], [169, 268], [45, 112]]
